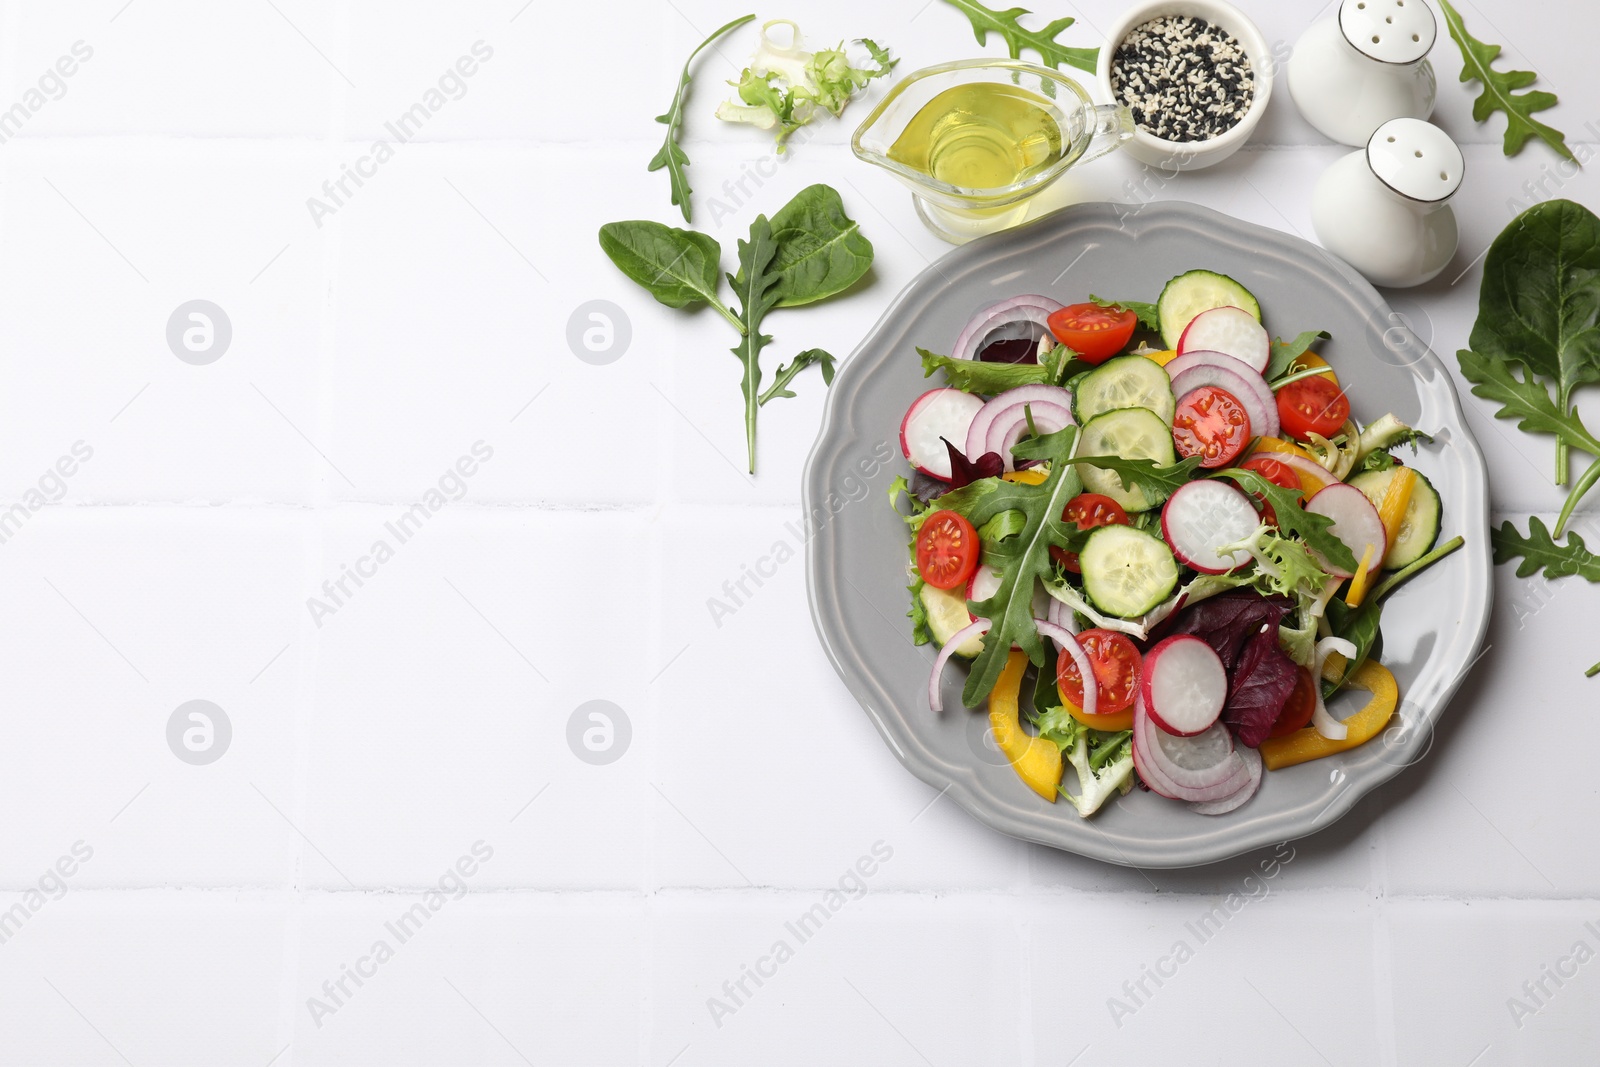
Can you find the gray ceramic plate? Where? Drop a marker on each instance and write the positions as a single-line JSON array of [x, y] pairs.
[[856, 558]]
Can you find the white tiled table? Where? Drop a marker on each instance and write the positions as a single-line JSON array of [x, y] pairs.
[[375, 748]]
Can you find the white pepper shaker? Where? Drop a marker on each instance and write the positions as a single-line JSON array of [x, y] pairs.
[[1364, 66], [1385, 209]]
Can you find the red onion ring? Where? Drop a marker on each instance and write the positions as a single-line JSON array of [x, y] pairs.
[[934, 700], [1032, 308], [1069, 641]]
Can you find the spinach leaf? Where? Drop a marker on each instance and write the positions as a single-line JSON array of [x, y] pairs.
[[1023, 559], [821, 250], [755, 285], [787, 371], [1540, 300], [1499, 91], [671, 155], [1017, 38], [677, 267]]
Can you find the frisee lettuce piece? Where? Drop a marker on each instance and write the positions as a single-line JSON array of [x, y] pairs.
[[785, 86], [1102, 760]]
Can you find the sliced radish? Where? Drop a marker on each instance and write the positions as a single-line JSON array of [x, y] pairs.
[[1200, 768], [1231, 330], [1252, 763], [1194, 369], [1202, 515], [982, 585], [1184, 685], [932, 417], [1355, 522], [985, 582], [1004, 419]]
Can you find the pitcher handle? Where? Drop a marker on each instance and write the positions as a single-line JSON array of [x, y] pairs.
[[1113, 124]]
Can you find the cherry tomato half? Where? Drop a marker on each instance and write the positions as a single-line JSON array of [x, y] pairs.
[[1088, 511], [1212, 424], [1279, 474], [947, 550], [1115, 661], [1300, 706], [1312, 405], [1094, 332]]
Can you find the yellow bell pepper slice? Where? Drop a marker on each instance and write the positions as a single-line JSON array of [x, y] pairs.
[[1278, 444], [1036, 761], [1303, 745], [1030, 476], [1363, 578], [1310, 360], [1392, 511], [1115, 722], [1162, 358]]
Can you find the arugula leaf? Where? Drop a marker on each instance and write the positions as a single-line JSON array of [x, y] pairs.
[[1156, 481], [1284, 353], [671, 156], [1024, 561], [677, 267], [1527, 400], [976, 376], [1293, 519], [1004, 23], [755, 286], [1541, 551], [1147, 314], [1499, 91], [787, 371], [821, 250]]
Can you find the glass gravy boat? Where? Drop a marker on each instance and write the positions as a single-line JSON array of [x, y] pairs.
[[959, 213]]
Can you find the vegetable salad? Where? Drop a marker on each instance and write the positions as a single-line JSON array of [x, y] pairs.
[[1190, 543]]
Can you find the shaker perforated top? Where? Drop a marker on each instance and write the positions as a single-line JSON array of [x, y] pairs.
[[1416, 159], [1390, 31]]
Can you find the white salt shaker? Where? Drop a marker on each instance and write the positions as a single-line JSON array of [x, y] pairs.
[[1364, 66], [1385, 211]]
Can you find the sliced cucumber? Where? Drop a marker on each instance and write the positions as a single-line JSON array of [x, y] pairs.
[[1419, 526], [947, 615], [1124, 382], [1132, 433], [1189, 294], [1127, 571]]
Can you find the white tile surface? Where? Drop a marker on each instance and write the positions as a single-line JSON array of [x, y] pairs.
[[727, 783]]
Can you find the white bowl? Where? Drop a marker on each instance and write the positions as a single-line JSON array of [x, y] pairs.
[[1192, 155]]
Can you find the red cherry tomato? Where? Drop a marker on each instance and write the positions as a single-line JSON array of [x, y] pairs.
[[1087, 510], [1212, 424], [1115, 661], [1312, 405], [1278, 473], [1300, 706], [947, 549], [1094, 332]]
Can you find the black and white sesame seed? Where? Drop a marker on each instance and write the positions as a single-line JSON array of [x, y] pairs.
[[1183, 78]]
